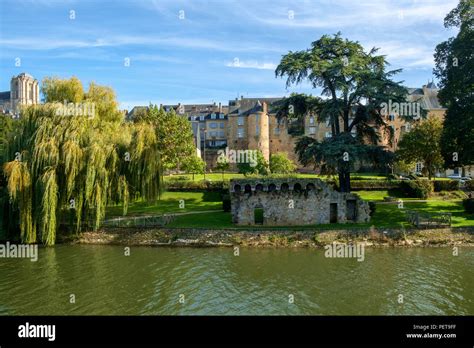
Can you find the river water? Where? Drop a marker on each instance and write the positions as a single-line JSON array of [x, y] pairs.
[[212, 281]]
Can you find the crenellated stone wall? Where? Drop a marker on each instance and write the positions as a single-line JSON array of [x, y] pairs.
[[294, 202]]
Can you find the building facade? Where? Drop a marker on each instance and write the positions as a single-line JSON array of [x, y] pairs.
[[24, 90]]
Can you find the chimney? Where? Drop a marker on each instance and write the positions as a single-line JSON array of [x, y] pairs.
[[241, 97], [220, 107]]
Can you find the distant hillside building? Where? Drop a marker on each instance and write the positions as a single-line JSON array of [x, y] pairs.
[[24, 90]]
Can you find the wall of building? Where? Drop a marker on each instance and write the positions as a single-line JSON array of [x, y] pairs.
[[285, 203]]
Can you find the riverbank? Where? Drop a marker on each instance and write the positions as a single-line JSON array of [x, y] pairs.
[[192, 237]]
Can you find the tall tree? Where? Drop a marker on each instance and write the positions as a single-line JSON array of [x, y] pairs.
[[59, 163], [454, 68], [355, 85], [422, 144], [174, 134]]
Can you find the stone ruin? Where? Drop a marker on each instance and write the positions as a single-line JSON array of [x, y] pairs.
[[293, 202]]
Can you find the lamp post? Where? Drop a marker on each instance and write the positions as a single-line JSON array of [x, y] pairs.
[[204, 150]]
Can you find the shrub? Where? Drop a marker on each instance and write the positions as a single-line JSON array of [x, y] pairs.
[[226, 203], [417, 188], [374, 184], [372, 207], [445, 185], [469, 185], [468, 205]]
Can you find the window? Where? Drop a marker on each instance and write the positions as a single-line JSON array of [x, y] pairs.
[[213, 125], [276, 131], [312, 130], [201, 118], [311, 120], [213, 134], [418, 167], [221, 116], [240, 133], [257, 130], [391, 117], [221, 125], [221, 134], [240, 121], [213, 116], [328, 134]]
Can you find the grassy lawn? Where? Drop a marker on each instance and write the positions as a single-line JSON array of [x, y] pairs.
[[386, 215], [170, 203]]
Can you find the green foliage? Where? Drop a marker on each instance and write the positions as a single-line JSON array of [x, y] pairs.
[[372, 207], [174, 135], [417, 188], [468, 205], [469, 185], [445, 185], [261, 167], [60, 90], [193, 164], [422, 144], [58, 164], [226, 206], [281, 164], [454, 66], [346, 74], [375, 184]]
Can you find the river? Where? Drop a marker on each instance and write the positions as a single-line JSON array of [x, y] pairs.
[[212, 281]]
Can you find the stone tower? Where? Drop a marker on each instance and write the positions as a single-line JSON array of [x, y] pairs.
[[24, 90]]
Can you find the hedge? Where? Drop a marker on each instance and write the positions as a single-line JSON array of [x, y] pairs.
[[417, 188], [445, 185], [469, 185], [359, 185], [468, 205]]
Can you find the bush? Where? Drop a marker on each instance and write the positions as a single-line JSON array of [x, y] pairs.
[[203, 185], [226, 203], [468, 205], [445, 185], [469, 185], [417, 188], [374, 184], [372, 207]]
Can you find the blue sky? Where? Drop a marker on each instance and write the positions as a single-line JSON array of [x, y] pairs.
[[198, 51]]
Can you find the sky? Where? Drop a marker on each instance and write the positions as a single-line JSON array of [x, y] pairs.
[[196, 51]]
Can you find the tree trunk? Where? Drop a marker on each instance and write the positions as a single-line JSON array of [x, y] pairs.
[[344, 181]]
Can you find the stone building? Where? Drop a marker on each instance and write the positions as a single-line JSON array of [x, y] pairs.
[[293, 202], [24, 90]]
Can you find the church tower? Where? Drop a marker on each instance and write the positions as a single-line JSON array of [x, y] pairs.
[[24, 90]]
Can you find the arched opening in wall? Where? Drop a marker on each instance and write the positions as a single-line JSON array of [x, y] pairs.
[[248, 188], [310, 187], [259, 187], [284, 187], [237, 188], [258, 215], [297, 187], [272, 187]]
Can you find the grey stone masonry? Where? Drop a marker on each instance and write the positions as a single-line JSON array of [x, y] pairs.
[[293, 201]]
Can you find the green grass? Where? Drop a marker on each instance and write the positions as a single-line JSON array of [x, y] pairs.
[[170, 203], [386, 215]]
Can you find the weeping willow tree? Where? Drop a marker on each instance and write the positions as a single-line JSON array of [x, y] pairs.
[[60, 164]]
